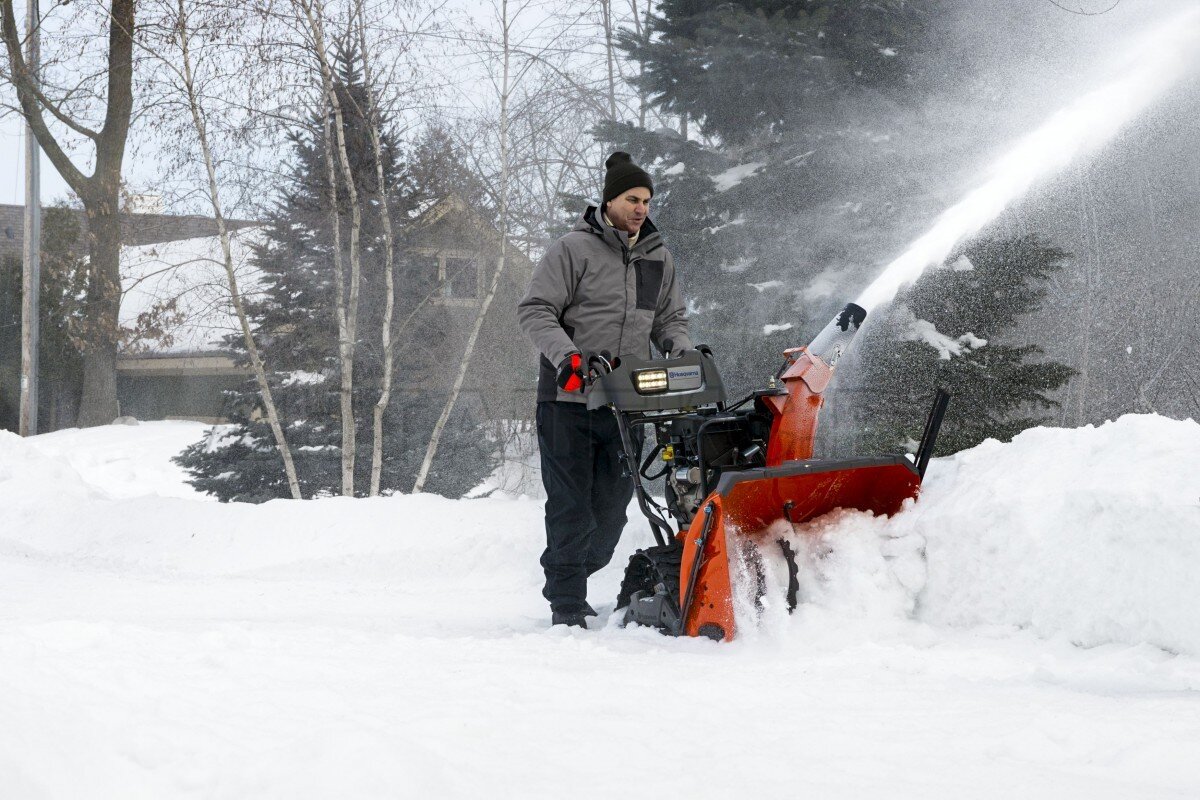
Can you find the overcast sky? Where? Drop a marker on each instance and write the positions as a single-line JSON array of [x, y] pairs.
[[1086, 35]]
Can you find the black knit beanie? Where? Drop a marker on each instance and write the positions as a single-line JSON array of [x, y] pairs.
[[622, 174]]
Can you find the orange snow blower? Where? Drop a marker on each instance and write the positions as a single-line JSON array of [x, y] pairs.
[[734, 472]]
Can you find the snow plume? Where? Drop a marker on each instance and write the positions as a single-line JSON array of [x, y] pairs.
[[823, 285], [1158, 60]]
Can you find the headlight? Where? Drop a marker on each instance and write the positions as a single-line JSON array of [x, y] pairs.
[[650, 381]]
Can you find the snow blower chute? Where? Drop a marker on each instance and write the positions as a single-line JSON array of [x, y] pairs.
[[732, 472]]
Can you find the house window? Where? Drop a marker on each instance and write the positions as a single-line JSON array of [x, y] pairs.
[[460, 277], [452, 278], [427, 271]]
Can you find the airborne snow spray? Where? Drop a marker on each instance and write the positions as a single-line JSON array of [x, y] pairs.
[[1158, 60]]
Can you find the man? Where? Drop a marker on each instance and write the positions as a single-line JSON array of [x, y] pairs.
[[608, 285]]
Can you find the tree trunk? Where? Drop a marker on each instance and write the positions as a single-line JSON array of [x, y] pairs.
[[98, 405], [347, 307], [99, 193], [609, 57], [389, 259]]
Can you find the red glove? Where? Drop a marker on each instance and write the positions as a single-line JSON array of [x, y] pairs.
[[570, 373]]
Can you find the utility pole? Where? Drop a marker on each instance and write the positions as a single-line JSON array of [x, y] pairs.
[[31, 283]]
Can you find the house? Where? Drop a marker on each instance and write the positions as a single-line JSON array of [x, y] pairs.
[[177, 294], [179, 288], [461, 252], [143, 226]]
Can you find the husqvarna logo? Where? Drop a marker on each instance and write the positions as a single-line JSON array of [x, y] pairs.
[[683, 378]]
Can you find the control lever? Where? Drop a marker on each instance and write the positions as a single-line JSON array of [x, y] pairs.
[[599, 364]]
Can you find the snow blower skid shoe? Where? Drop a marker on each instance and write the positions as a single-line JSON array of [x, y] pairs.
[[732, 472]]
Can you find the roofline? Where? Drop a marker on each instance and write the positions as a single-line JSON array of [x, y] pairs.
[[177, 354], [231, 221]]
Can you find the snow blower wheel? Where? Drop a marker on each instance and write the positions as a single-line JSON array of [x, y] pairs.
[[650, 589]]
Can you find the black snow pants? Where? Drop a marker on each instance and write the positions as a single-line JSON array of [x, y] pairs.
[[586, 496]]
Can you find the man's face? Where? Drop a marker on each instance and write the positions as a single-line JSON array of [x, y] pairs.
[[627, 211]]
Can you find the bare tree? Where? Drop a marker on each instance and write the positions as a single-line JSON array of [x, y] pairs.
[[179, 33], [372, 116], [557, 78], [610, 56], [314, 14], [42, 104]]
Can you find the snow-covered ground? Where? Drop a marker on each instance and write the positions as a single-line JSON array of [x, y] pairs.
[[1028, 629]]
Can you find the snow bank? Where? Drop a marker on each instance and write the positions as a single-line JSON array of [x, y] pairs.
[[133, 513], [1089, 534], [124, 460], [1092, 534]]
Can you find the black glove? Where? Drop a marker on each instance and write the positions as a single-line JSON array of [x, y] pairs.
[[570, 373], [669, 350]]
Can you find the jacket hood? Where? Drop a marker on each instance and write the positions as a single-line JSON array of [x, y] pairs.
[[592, 221]]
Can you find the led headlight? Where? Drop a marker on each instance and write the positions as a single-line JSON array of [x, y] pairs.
[[650, 381]]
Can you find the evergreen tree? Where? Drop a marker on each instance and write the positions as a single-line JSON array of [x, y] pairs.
[[788, 181], [799, 185], [294, 318], [60, 365], [997, 389]]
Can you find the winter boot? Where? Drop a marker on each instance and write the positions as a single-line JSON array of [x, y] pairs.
[[572, 619]]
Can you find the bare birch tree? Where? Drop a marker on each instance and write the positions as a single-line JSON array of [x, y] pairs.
[[314, 14], [179, 32], [372, 116]]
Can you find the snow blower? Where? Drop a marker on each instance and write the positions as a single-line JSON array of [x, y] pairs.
[[734, 471]]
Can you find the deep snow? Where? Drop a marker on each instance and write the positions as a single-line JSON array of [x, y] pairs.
[[1025, 629]]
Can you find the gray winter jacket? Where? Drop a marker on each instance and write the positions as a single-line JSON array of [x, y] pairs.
[[591, 292]]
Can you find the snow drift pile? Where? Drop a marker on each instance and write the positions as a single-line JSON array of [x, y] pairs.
[[1092, 534]]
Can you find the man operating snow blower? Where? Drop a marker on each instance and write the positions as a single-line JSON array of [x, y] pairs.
[[608, 287]]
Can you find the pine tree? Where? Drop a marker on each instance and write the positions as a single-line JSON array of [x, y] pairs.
[[997, 389], [798, 187], [60, 364], [776, 90], [294, 318]]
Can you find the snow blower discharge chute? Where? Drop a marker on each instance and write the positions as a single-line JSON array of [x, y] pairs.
[[732, 472]]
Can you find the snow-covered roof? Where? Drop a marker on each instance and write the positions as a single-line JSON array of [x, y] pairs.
[[190, 274]]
